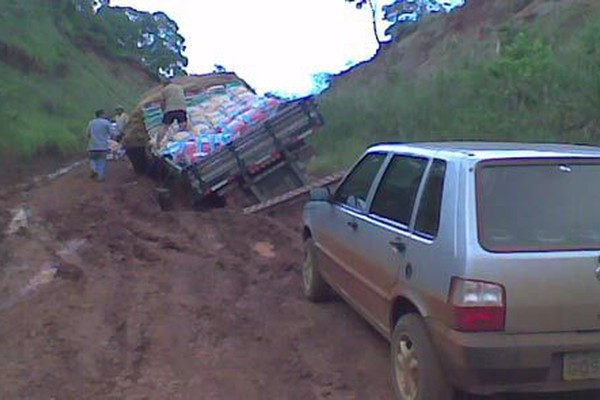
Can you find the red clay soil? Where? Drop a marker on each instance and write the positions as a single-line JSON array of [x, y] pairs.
[[102, 296], [15, 169]]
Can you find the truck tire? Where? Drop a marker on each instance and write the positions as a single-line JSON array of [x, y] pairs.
[[416, 370], [314, 286]]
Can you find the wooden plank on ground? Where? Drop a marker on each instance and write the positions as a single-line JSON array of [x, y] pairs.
[[294, 193]]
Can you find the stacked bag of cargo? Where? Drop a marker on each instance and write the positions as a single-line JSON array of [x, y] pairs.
[[217, 116]]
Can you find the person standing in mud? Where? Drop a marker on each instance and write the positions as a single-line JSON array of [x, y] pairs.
[[98, 137], [135, 143], [121, 119]]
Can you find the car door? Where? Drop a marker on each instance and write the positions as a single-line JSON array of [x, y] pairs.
[[432, 256], [381, 245], [336, 222]]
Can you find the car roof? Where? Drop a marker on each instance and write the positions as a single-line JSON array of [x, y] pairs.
[[489, 150]]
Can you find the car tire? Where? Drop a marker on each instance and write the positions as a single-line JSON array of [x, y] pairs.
[[314, 286], [416, 370]]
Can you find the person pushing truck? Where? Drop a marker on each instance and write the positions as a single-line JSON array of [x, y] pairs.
[[174, 108]]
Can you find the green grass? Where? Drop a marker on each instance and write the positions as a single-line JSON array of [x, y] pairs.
[[50, 108], [544, 86]]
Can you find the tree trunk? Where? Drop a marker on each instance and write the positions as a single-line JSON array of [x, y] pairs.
[[374, 20]]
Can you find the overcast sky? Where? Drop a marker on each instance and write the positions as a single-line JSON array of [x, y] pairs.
[[275, 45]]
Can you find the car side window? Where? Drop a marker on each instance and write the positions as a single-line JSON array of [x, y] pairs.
[[355, 189], [428, 216], [397, 192]]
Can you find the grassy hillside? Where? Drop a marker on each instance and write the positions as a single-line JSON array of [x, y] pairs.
[[51, 83], [516, 70]]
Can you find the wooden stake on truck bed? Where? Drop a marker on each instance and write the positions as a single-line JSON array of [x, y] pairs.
[[294, 193]]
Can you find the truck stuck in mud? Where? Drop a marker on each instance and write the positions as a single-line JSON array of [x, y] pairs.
[[235, 140]]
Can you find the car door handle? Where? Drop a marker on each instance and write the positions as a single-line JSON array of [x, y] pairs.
[[398, 245], [353, 224]]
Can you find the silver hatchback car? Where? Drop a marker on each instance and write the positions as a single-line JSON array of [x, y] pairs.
[[480, 262]]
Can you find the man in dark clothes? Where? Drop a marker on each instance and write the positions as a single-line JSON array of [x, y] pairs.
[[135, 142]]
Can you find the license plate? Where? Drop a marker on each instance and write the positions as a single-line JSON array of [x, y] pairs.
[[581, 366]]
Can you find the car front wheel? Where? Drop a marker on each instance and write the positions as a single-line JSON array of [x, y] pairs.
[[416, 371], [315, 287]]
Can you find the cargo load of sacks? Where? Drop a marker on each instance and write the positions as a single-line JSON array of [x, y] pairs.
[[216, 117]]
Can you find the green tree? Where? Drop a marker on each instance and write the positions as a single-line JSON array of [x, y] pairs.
[[151, 38], [402, 11], [398, 12], [522, 70]]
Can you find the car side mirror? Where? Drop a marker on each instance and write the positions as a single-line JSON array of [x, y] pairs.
[[320, 194]]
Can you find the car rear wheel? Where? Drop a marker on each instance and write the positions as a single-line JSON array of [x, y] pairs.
[[315, 288], [416, 371]]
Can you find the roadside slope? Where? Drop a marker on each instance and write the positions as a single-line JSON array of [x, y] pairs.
[[493, 70], [51, 82]]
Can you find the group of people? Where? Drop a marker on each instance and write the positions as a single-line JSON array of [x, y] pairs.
[[134, 142]]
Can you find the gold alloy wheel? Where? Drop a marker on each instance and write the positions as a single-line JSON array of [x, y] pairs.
[[407, 369], [307, 270]]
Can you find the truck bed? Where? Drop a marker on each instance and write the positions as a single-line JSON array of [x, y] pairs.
[[266, 161]]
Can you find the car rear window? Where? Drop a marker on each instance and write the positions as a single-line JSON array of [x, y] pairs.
[[539, 205]]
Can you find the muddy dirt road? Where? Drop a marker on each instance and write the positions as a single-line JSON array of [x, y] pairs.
[[104, 297]]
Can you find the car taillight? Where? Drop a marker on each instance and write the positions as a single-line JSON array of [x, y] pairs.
[[478, 306]]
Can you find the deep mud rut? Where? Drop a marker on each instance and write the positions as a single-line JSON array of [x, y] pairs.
[[102, 296]]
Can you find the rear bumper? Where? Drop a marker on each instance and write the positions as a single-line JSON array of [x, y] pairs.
[[489, 363]]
